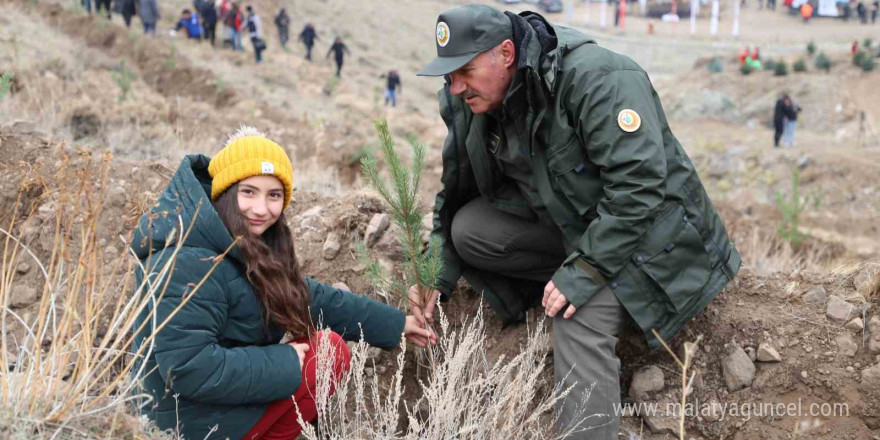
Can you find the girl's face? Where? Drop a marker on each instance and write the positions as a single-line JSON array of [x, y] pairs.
[[260, 201]]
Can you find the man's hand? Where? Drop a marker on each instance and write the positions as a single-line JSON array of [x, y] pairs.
[[414, 332], [301, 350], [422, 312], [554, 301]]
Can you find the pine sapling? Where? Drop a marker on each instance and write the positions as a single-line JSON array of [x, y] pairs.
[[401, 196]]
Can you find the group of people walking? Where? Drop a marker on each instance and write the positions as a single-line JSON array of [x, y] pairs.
[[200, 23]]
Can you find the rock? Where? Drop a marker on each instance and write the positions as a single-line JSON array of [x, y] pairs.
[[713, 411], [378, 224], [739, 371], [863, 281], [389, 245], [753, 355], [22, 296], [856, 325], [697, 383], [373, 353], [331, 246], [427, 226], [850, 369], [22, 268], [871, 378], [111, 253], [312, 219], [341, 286], [874, 346], [804, 375], [804, 161], [874, 326], [688, 346], [845, 345], [646, 380], [662, 424], [46, 210], [838, 309], [766, 353], [815, 296]]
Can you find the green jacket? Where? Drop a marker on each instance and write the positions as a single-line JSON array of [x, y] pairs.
[[215, 354], [630, 205]]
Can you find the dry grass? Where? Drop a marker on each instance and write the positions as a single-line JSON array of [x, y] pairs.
[[763, 250], [464, 396], [69, 357]]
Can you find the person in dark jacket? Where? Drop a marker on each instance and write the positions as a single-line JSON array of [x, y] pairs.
[[217, 358], [392, 87], [128, 10], [339, 49], [282, 21], [208, 13], [563, 185], [779, 119], [148, 10], [308, 36]]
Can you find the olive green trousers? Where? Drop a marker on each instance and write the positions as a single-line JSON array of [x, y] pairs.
[[529, 252]]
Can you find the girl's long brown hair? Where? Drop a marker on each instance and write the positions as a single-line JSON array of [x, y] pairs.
[[272, 268]]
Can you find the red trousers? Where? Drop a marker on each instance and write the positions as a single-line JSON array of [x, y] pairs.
[[280, 421]]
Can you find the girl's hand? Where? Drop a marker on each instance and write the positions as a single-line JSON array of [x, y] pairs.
[[414, 332], [301, 350]]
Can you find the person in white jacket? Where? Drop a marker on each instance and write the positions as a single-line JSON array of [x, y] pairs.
[[255, 29]]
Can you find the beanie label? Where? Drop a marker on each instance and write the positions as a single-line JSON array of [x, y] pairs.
[[268, 168]]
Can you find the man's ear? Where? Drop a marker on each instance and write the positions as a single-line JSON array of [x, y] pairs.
[[508, 53]]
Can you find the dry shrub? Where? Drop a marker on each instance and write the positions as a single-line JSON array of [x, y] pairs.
[[70, 366], [464, 396]]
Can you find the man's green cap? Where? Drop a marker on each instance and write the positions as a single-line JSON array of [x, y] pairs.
[[463, 33]]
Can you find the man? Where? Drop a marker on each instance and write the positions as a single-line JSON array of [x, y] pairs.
[[562, 183], [282, 20], [190, 22], [779, 114], [308, 37], [255, 30], [208, 13], [339, 49], [391, 88], [149, 13]]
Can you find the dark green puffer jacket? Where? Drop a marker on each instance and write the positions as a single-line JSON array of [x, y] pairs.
[[215, 354]]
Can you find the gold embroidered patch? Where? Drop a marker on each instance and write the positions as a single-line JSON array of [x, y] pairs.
[[442, 34], [628, 120]]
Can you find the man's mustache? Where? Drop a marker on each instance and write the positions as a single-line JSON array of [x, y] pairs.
[[468, 94]]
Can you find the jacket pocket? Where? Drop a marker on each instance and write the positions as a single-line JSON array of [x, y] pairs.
[[673, 256], [569, 157], [574, 176]]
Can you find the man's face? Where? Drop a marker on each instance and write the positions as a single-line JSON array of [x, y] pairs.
[[483, 82]]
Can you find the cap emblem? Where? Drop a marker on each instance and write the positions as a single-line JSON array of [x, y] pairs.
[[442, 34]]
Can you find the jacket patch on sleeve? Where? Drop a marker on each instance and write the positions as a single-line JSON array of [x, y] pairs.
[[628, 120]]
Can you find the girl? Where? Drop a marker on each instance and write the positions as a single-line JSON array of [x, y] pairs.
[[218, 363]]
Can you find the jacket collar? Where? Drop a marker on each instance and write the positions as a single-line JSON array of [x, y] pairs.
[[185, 202]]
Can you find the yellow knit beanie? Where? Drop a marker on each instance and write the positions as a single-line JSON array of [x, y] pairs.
[[249, 153]]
